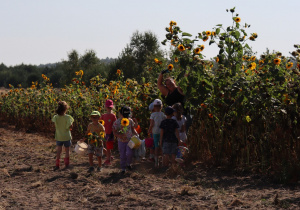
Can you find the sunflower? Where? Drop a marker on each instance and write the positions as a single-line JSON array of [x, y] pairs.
[[213, 33], [252, 66], [89, 134], [181, 48], [261, 62], [118, 71], [197, 50], [203, 105], [217, 59], [125, 122], [210, 115], [201, 47], [170, 67], [244, 57], [277, 61], [208, 33], [253, 58], [205, 39], [289, 65], [156, 60], [101, 121], [237, 20], [102, 134], [252, 38], [176, 59], [173, 23]]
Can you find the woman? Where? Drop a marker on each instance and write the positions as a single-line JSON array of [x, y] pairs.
[[170, 90]]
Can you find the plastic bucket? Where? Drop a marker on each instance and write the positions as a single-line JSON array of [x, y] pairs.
[[81, 148], [180, 154], [149, 142], [134, 142]]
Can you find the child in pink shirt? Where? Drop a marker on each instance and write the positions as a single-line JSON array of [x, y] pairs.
[[109, 118]]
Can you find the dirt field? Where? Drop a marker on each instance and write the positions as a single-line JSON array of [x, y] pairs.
[[28, 181]]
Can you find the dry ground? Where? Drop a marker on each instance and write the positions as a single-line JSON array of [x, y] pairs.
[[27, 181]]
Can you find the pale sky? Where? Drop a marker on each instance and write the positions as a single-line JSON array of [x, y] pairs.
[[44, 31]]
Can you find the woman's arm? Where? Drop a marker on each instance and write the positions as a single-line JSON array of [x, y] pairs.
[[163, 89]]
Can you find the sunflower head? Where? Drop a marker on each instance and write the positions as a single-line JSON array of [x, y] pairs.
[[197, 50], [210, 115], [181, 48], [237, 19], [208, 33], [217, 59], [170, 67], [277, 61], [125, 122], [176, 59], [205, 38], [213, 33], [101, 121], [289, 65], [156, 60], [118, 71]]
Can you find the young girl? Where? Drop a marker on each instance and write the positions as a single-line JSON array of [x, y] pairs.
[[155, 119], [63, 125], [123, 129], [109, 118], [95, 149], [181, 120]]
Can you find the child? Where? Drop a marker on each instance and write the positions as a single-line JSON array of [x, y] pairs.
[[181, 120], [155, 119], [151, 158], [63, 125], [109, 118], [95, 127], [123, 129], [169, 137]]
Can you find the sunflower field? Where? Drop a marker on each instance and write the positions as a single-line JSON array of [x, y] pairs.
[[244, 107]]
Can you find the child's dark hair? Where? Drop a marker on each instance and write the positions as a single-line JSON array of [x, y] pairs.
[[179, 110], [62, 107]]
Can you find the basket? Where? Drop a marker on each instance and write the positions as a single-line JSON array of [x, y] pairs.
[[81, 148]]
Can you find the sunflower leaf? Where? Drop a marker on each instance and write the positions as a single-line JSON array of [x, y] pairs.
[[220, 25], [186, 34], [217, 30]]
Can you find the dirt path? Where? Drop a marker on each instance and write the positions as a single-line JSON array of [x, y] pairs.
[[27, 181]]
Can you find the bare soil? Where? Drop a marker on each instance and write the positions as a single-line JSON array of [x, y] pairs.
[[28, 181]]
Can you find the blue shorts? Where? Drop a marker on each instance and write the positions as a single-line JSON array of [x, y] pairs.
[[64, 143], [156, 138], [170, 148]]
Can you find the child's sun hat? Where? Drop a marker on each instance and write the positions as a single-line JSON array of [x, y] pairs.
[[95, 113]]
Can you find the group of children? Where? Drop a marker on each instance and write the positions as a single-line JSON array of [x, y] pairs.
[[167, 130]]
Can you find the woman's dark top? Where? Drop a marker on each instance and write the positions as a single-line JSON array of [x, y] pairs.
[[174, 97]]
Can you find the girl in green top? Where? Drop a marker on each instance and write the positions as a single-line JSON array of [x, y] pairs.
[[63, 126]]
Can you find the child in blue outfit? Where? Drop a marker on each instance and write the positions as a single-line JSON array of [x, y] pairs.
[[169, 137], [157, 116]]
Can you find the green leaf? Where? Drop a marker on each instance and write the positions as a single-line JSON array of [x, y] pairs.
[[217, 30], [186, 34], [211, 41], [220, 25]]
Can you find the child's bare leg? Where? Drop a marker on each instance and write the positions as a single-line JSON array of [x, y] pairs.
[[67, 150], [58, 152], [91, 159], [165, 160], [173, 156], [99, 161], [108, 154]]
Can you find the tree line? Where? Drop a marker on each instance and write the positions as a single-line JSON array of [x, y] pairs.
[[133, 60]]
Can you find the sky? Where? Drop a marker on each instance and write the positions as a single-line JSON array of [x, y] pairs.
[[45, 31]]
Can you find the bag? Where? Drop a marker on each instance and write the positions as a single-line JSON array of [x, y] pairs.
[[134, 142], [81, 148]]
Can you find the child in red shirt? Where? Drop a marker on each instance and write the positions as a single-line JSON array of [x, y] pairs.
[[109, 118]]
